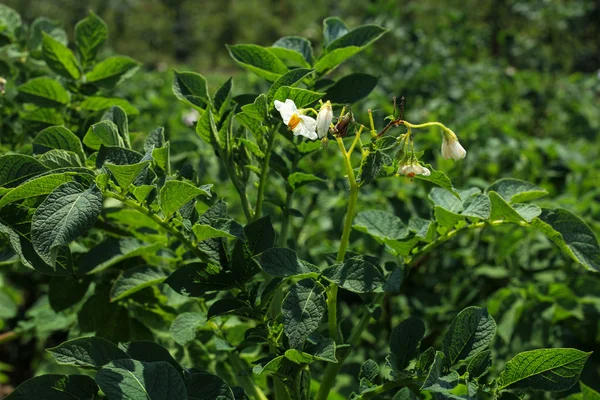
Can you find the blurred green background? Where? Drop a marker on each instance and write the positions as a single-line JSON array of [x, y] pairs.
[[517, 80]]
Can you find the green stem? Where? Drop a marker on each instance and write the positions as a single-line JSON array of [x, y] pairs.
[[352, 202], [161, 222], [332, 370], [264, 174], [285, 218]]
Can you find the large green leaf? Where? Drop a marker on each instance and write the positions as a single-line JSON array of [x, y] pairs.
[[145, 350], [259, 60], [356, 275], [66, 291], [333, 28], [68, 212], [351, 88], [174, 194], [58, 138], [90, 34], [134, 279], [102, 133], [87, 352], [59, 58], [37, 29], [359, 37], [184, 328], [439, 382], [438, 178], [299, 179], [36, 187], [16, 168], [571, 235], [290, 79], [302, 309], [113, 251], [551, 370], [10, 21], [381, 225], [405, 341], [111, 71], [516, 190], [204, 386], [40, 118], [191, 88], [300, 97], [470, 332], [56, 387], [284, 262], [44, 91], [294, 48], [132, 379]]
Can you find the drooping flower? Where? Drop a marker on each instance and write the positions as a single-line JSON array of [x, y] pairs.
[[324, 119], [411, 170], [299, 124], [190, 117], [451, 147]]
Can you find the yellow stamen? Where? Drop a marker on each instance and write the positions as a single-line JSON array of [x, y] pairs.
[[294, 121]]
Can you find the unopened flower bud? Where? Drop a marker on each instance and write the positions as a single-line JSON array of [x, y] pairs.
[[451, 148], [324, 119], [3, 82]]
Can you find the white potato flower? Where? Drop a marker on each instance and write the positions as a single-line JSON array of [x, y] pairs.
[[411, 170], [324, 119], [299, 124], [451, 147]]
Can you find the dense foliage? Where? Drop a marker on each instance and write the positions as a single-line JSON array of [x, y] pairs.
[[246, 260]]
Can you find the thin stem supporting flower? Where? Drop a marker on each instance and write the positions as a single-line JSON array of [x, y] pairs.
[[264, 174]]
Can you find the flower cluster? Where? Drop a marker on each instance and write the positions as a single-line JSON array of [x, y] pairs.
[[303, 125]]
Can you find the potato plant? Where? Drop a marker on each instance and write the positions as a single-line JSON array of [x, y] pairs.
[[169, 290]]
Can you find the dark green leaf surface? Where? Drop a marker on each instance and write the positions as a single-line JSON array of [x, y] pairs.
[[174, 194], [284, 262], [191, 88], [470, 332], [59, 138], [516, 190], [356, 275], [16, 168], [90, 34], [44, 91], [405, 341], [302, 309], [381, 225], [87, 352], [135, 279], [56, 387], [59, 58], [258, 60], [184, 328]]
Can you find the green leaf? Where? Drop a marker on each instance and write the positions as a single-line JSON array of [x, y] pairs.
[[271, 364], [470, 333], [224, 227], [405, 342], [333, 28], [35, 187], [250, 123], [222, 97], [436, 381], [425, 361], [260, 236], [381, 225], [516, 190], [94, 103], [527, 211], [501, 210], [134, 279], [8, 307], [59, 159], [588, 393], [351, 88], [298, 179], [258, 60], [480, 364], [207, 129], [10, 21], [118, 155], [445, 218], [370, 166], [126, 174], [439, 178], [551, 370], [195, 280], [87, 352], [227, 306], [303, 309], [290, 79], [132, 379], [291, 46], [90, 34], [118, 116], [147, 351], [59, 58], [570, 234], [17, 168], [284, 262], [59, 138], [174, 194], [184, 328], [44, 91], [369, 370], [445, 199], [103, 133], [191, 88], [301, 97], [68, 212], [56, 387], [360, 37], [355, 275], [37, 29], [478, 206], [205, 386], [332, 59], [111, 71], [42, 117]]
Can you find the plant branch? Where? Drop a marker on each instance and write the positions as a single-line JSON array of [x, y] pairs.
[[161, 222], [264, 174]]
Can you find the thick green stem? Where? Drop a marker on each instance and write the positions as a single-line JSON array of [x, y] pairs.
[[332, 370], [264, 175], [285, 218], [161, 222]]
